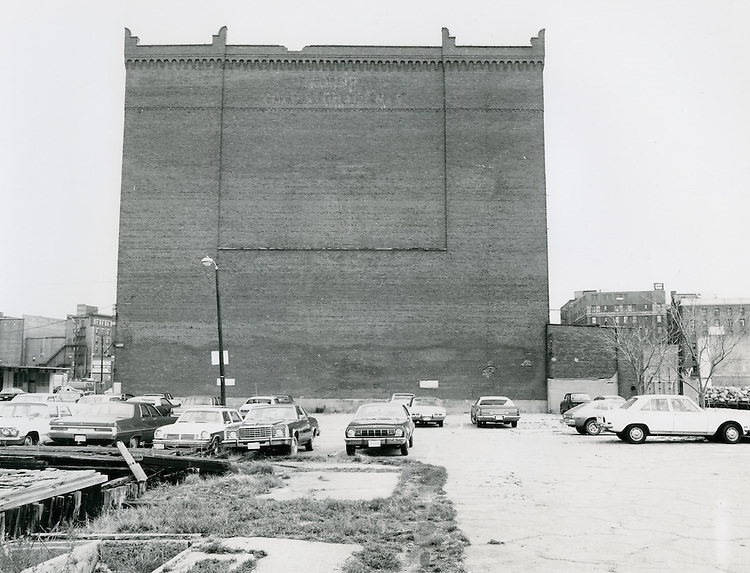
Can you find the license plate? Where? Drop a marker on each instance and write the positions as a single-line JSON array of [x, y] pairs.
[[253, 446], [79, 438], [373, 443], [499, 418], [158, 446]]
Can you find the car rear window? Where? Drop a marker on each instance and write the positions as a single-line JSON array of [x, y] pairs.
[[496, 402]]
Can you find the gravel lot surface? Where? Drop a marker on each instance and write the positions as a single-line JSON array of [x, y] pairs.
[[542, 498]]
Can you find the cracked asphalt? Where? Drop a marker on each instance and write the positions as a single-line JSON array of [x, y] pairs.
[[542, 498]]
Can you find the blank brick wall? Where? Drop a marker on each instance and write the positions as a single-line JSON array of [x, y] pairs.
[[378, 215]]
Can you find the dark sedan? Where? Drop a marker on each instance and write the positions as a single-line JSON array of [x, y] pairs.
[[277, 426], [380, 425], [132, 423]]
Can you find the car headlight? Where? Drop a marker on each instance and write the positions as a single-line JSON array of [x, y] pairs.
[[279, 432], [350, 432], [232, 434], [9, 432], [159, 433], [399, 432], [205, 435]]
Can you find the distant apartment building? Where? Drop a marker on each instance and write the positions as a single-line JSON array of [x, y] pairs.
[[38, 353], [89, 338], [714, 326], [646, 308]]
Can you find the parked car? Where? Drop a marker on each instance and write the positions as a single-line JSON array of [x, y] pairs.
[[380, 425], [166, 395], [27, 423], [277, 426], [402, 397], [40, 397], [674, 415], [585, 417], [206, 428], [427, 410], [99, 398], [10, 393], [494, 410], [69, 393], [612, 397], [269, 399], [132, 423], [194, 401], [161, 403], [573, 399]]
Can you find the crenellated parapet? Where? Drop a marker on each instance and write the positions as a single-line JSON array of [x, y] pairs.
[[448, 56]]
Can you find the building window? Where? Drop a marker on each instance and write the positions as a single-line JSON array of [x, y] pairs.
[[593, 320], [742, 310], [658, 318], [742, 322], [717, 322], [729, 311], [704, 310], [716, 311]]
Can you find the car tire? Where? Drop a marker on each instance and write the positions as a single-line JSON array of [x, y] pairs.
[[309, 444], [440, 424], [411, 441], [134, 442], [473, 420], [405, 449], [636, 434], [215, 448], [293, 447], [350, 450], [581, 430], [29, 440], [731, 433], [514, 424], [592, 427]]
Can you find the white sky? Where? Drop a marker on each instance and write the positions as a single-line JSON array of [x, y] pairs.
[[646, 118]]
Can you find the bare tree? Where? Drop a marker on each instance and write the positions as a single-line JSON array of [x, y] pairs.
[[705, 349], [644, 349]]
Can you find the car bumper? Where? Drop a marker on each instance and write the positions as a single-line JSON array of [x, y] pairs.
[[176, 444], [12, 441], [428, 418], [498, 418], [83, 438], [377, 442], [259, 444]]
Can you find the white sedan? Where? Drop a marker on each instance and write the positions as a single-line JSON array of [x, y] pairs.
[[206, 428], [674, 415], [427, 410]]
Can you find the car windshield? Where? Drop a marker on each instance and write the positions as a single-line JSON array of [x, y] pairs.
[[197, 401], [109, 410], [271, 414], [201, 417], [629, 403], [21, 410], [496, 402], [379, 411], [258, 401], [426, 402], [579, 397]]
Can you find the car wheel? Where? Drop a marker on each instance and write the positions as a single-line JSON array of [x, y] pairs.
[[405, 449], [293, 447], [636, 434], [134, 442], [28, 440], [581, 430], [411, 441], [215, 448], [440, 424], [731, 433], [514, 424], [592, 427], [480, 424], [473, 420], [309, 445], [350, 450], [622, 436]]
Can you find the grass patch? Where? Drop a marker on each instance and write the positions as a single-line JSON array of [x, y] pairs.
[[414, 529]]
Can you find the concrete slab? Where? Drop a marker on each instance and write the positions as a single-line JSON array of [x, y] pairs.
[[351, 485], [281, 555]]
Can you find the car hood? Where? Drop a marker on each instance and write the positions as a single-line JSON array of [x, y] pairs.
[[247, 423], [22, 422], [429, 409], [377, 421], [192, 428], [76, 420]]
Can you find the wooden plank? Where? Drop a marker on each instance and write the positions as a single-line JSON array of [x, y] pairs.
[[61, 483], [135, 467]]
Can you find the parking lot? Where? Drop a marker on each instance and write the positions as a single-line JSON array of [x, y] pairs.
[[542, 498]]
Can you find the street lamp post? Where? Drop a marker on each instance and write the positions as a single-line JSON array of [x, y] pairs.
[[209, 262]]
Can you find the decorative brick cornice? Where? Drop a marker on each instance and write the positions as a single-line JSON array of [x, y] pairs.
[[448, 57]]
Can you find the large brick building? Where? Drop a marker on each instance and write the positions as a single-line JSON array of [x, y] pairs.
[[377, 213]]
